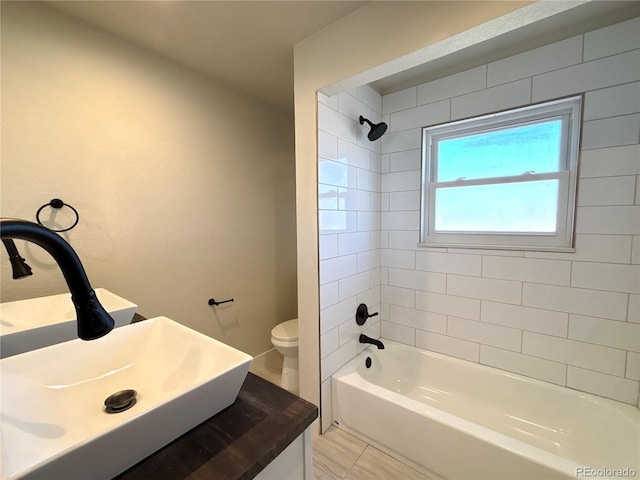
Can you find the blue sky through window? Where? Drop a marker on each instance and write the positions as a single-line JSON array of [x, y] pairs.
[[503, 180], [525, 207], [501, 153]]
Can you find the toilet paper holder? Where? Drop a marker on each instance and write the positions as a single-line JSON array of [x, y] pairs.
[[213, 302]]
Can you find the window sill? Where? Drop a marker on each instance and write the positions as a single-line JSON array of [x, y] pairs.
[[521, 248]]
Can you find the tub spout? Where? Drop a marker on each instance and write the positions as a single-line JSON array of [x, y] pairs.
[[364, 339]]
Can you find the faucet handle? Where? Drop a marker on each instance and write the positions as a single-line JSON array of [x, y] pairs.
[[362, 313]]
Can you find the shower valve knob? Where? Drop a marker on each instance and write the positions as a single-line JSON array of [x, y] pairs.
[[362, 313]]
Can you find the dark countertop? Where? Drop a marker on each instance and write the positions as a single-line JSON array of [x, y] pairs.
[[237, 443]]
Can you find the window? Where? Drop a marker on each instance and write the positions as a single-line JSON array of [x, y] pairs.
[[505, 180]]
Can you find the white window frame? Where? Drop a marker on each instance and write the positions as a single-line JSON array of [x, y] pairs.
[[570, 111]]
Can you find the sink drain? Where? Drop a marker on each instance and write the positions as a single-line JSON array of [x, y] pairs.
[[120, 401]]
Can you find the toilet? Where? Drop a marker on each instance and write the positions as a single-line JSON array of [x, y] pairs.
[[284, 337]]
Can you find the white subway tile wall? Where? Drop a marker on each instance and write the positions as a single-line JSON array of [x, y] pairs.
[[585, 77], [572, 319], [609, 41], [349, 200], [534, 62]]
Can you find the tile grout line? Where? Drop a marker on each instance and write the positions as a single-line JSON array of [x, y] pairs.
[[357, 459]]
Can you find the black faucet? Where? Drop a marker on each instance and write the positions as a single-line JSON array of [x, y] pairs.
[[93, 320], [364, 339]]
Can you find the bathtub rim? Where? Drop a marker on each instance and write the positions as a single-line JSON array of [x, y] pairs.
[[561, 465], [627, 408]]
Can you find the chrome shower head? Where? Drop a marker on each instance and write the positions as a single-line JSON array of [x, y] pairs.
[[377, 129]]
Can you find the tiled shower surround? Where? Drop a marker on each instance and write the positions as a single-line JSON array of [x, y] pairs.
[[571, 319]]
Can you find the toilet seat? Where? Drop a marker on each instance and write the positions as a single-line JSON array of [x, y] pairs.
[[286, 331], [285, 339]]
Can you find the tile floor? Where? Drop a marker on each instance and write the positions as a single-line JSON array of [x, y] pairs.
[[338, 455]]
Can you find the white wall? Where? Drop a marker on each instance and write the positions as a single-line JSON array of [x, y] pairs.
[[185, 188], [570, 319]]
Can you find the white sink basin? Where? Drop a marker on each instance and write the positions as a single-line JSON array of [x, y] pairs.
[[53, 418], [39, 322]]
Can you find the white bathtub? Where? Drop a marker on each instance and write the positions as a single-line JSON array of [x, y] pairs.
[[454, 419]]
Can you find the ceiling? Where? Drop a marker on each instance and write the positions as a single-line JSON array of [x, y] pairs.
[[247, 45]]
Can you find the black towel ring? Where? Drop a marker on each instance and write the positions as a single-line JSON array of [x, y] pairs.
[[57, 204]]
